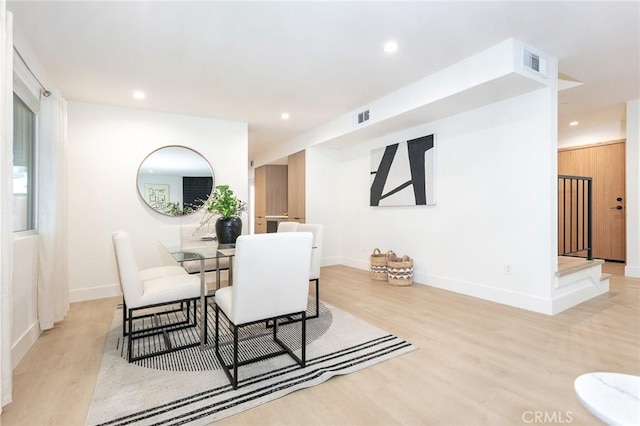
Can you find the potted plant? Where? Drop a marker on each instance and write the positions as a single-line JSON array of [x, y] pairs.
[[224, 205]]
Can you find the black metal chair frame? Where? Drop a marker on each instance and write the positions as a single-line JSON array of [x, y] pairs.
[[290, 319], [125, 322], [128, 317], [233, 378]]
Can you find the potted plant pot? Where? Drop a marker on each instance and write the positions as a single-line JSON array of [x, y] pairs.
[[228, 229], [225, 206]]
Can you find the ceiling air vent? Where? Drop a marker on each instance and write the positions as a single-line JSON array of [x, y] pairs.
[[534, 62], [363, 116]]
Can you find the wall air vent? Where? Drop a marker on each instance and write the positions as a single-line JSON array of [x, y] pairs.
[[363, 116], [534, 62]]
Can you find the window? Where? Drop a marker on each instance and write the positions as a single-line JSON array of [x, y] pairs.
[[24, 144]]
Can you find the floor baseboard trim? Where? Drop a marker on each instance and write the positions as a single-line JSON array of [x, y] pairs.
[[632, 271], [22, 345], [94, 293]]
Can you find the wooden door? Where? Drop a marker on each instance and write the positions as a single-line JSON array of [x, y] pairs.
[[605, 164]]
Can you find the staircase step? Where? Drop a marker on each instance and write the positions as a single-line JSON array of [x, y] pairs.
[[569, 265], [605, 277]]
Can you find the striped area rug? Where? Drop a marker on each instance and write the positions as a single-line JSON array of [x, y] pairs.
[[150, 393], [256, 340]]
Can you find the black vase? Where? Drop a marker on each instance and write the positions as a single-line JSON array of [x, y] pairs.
[[228, 229]]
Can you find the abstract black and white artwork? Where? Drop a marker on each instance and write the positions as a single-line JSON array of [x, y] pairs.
[[403, 174]]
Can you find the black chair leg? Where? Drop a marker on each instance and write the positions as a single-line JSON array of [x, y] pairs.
[[235, 357], [304, 338], [233, 378], [317, 314], [130, 339], [124, 317]]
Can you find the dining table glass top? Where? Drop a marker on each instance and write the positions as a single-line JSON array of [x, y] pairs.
[[183, 251]]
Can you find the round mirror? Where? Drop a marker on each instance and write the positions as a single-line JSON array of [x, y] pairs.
[[175, 180]]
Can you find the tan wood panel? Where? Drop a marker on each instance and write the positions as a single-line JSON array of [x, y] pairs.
[[270, 194], [260, 181], [605, 164], [296, 190], [479, 362], [612, 162], [276, 190]]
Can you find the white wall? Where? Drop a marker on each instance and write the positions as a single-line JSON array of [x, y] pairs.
[[495, 204], [25, 328], [323, 201], [633, 189], [106, 146]]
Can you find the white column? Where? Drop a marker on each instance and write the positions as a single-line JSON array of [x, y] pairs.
[[633, 189], [6, 182]]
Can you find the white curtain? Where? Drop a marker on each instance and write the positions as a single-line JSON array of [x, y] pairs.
[[53, 288], [6, 191]]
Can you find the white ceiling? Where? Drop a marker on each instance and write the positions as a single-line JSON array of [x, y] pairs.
[[251, 61]]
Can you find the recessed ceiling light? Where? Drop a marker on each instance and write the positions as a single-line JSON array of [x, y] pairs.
[[138, 94], [390, 46], [574, 123], [285, 116]]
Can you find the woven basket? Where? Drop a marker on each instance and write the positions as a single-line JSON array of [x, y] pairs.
[[378, 270], [400, 271]]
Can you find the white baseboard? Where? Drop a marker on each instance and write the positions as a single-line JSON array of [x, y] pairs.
[[22, 345], [632, 271], [479, 291], [484, 292], [330, 261], [569, 291], [355, 263], [94, 293], [582, 292]]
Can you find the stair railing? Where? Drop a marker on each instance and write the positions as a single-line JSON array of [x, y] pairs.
[[575, 216]]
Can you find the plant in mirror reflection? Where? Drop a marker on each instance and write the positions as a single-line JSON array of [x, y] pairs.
[[173, 209], [222, 203]]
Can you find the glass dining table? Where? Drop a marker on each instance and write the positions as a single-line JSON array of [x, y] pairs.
[[203, 251]]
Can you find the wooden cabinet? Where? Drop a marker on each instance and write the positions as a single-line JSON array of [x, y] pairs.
[[260, 226], [280, 191], [270, 194], [296, 187]]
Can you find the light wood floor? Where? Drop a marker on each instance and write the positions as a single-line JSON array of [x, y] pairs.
[[479, 363]]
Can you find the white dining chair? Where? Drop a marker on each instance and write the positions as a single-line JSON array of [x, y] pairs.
[[151, 288], [288, 226], [271, 271]]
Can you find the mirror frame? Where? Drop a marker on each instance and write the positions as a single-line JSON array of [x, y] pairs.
[[142, 192]]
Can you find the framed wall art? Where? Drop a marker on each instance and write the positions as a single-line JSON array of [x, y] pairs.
[[156, 195], [403, 174]]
